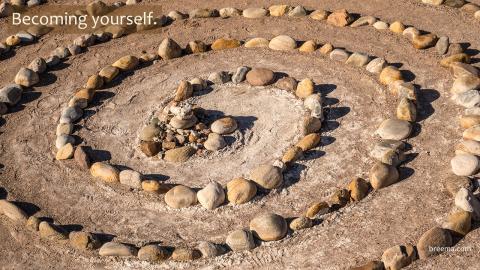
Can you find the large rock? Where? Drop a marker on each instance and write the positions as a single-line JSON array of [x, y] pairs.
[[180, 196], [26, 77], [12, 211], [240, 240], [424, 41], [459, 222], [282, 43], [398, 257], [390, 74], [383, 175], [358, 189], [268, 227], [38, 65], [267, 176], [105, 172], [11, 94], [169, 49], [260, 77], [240, 191], [127, 62], [211, 196], [433, 242], [117, 250]]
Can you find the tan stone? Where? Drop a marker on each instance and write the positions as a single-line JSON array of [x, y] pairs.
[[180, 196], [358, 189], [305, 88], [282, 43], [292, 154], [127, 62], [460, 222], [340, 18], [12, 211], [468, 121], [109, 73], [300, 223], [406, 110], [390, 74], [433, 241], [397, 27], [326, 48], [257, 43], [185, 254], [318, 208], [308, 46], [460, 57], [184, 91], [196, 46], [260, 77], [319, 15], [240, 190], [105, 172], [225, 43], [268, 227], [310, 141], [84, 241], [65, 152], [424, 41], [94, 82], [150, 148], [472, 133], [383, 175], [51, 231], [267, 176]]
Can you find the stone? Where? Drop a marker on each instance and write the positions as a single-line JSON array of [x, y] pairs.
[[287, 83], [340, 18], [292, 154], [65, 152], [472, 133], [459, 222], [397, 27], [214, 142], [394, 129], [319, 208], [84, 41], [150, 132], [224, 125], [454, 3], [196, 46], [33, 223], [454, 183], [70, 115], [25, 37], [210, 250], [179, 123], [465, 83], [433, 2], [240, 74], [26, 77], [410, 33], [300, 223], [390, 74], [314, 104], [406, 110], [225, 43], [376, 65], [180, 196], [131, 178], [358, 189], [372, 265], [12, 211], [82, 158], [51, 231], [97, 8], [358, 59], [5, 9], [4, 48], [3, 108], [150, 148], [38, 65], [229, 12], [311, 125], [468, 146], [282, 43], [267, 176], [399, 256], [132, 2], [84, 241], [459, 69], [109, 73], [127, 62], [424, 41], [260, 77], [470, 8], [466, 200], [257, 43], [297, 11], [268, 226], [339, 198], [364, 20], [105, 172], [155, 186], [477, 15], [152, 253], [198, 84], [211, 196], [117, 250], [308, 46], [468, 99], [309, 141], [169, 49], [327, 48], [175, 15], [74, 49], [389, 152], [78, 101], [240, 191], [403, 89], [379, 25], [185, 254], [240, 240], [11, 94], [254, 13], [433, 241], [52, 61], [319, 15], [468, 121], [454, 58], [473, 111], [62, 140], [184, 91], [279, 10], [383, 175], [181, 154], [203, 13], [339, 55], [60, 52], [305, 88], [12, 41], [442, 45]]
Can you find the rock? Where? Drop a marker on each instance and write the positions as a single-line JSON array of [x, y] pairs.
[[52, 61], [104, 172], [268, 226], [464, 83], [403, 89], [108, 73], [309, 141], [26, 77], [282, 43], [210, 250], [224, 125], [340, 18], [60, 52], [327, 48], [12, 41], [468, 99], [176, 15], [390, 74], [394, 129], [169, 49], [442, 45], [433, 2], [152, 253], [214, 142], [240, 191], [132, 2], [279, 10], [468, 146], [224, 43], [459, 57], [12, 211], [410, 33], [117, 250], [372, 265], [433, 241], [84, 240], [11, 94], [305, 88], [454, 183], [254, 13], [184, 91], [151, 148], [477, 15], [38, 65], [364, 20], [240, 240], [98, 8], [298, 11], [339, 55], [358, 59], [311, 125], [260, 77], [211, 196], [82, 158], [3, 108], [454, 3], [131, 178], [319, 208], [470, 8], [155, 187], [319, 15], [397, 27], [70, 115], [84, 41], [65, 152], [5, 9], [459, 69], [398, 257], [127, 62], [424, 41], [466, 200], [459, 222], [198, 84], [292, 154], [178, 123], [181, 154], [472, 133], [25, 37], [287, 83], [230, 12], [240, 74], [300, 223], [339, 198], [267, 176], [150, 132], [63, 140], [203, 13], [383, 175], [196, 46], [74, 49], [376, 65], [314, 104], [308, 46], [389, 152], [257, 43], [185, 254], [33, 223], [4, 48], [406, 110], [51, 231], [468, 121], [180, 196], [358, 189], [219, 77], [379, 25]]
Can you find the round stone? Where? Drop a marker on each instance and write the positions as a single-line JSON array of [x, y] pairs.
[[305, 88], [394, 129], [240, 191], [268, 227], [224, 125], [180, 196], [339, 55], [300, 223], [310, 141], [196, 46], [185, 254], [83, 240], [117, 250], [183, 123], [398, 257], [379, 25], [131, 178], [358, 189], [65, 152], [240, 240], [26, 77], [97, 8], [376, 65], [390, 74], [260, 77], [180, 154], [82, 158], [459, 222], [12, 40], [70, 115], [151, 148], [169, 49], [397, 27], [108, 73], [152, 253], [282, 43], [433, 241], [105, 172], [214, 142], [211, 196], [287, 83], [198, 84], [11, 94], [267, 176], [62, 140], [257, 43], [127, 62], [459, 69], [254, 13], [38, 65], [383, 175], [465, 164], [410, 33], [311, 125], [465, 83]]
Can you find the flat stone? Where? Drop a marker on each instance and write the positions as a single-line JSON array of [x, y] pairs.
[[131, 178], [51, 231], [229, 12], [153, 253], [12, 211], [240, 191], [319, 15], [459, 222], [180, 196], [406, 110], [339, 55], [11, 94], [379, 25], [358, 59], [468, 146], [127, 62], [467, 99], [376, 65], [240, 74], [203, 13], [287, 83], [196, 46], [214, 142], [394, 129], [225, 125], [300, 223], [318, 208], [432, 241], [117, 250], [257, 43], [240, 240], [358, 189], [442, 45], [211, 196], [305, 88], [225, 43], [279, 10], [383, 175], [84, 241], [465, 164], [399, 256], [340, 18], [309, 141], [105, 172], [466, 200], [390, 74], [181, 154], [260, 77], [282, 43], [468, 121], [65, 152], [268, 227], [169, 49], [179, 123], [364, 20], [26, 77], [254, 13]]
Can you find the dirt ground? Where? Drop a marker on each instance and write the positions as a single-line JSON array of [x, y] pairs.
[[269, 123]]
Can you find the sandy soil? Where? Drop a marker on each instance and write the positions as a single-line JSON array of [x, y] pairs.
[[269, 122]]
